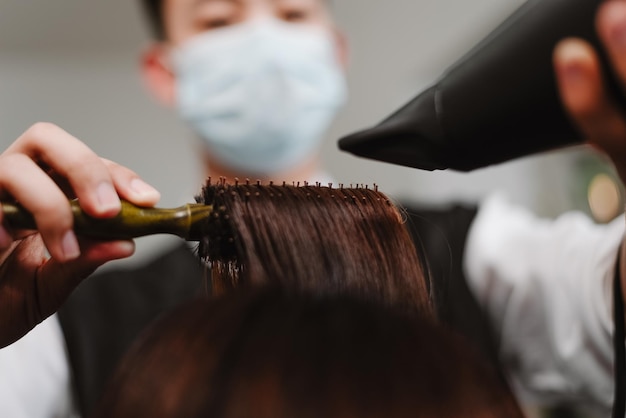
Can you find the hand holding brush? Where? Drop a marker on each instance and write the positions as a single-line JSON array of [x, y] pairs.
[[41, 170]]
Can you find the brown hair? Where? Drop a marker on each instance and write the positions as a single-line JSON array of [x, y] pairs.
[[318, 239], [263, 355]]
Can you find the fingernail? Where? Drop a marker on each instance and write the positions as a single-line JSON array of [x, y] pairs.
[[5, 238], [618, 36], [574, 73], [143, 189], [126, 246], [569, 56], [107, 197], [617, 25], [70, 247]]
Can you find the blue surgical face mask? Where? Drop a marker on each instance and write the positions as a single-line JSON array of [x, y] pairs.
[[260, 94]]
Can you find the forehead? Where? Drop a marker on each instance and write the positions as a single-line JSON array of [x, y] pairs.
[[185, 18], [177, 5]]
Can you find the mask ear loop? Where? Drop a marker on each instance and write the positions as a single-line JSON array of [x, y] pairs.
[[619, 400]]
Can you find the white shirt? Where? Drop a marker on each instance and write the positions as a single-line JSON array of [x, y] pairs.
[[34, 375], [547, 288], [546, 285]]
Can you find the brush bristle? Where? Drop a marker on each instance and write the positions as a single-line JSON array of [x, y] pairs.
[[219, 237]]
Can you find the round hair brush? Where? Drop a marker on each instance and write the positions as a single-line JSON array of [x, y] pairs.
[[192, 221]]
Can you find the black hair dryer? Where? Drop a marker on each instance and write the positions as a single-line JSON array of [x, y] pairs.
[[498, 102]]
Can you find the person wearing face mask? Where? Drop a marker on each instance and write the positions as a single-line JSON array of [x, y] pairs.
[[259, 81]]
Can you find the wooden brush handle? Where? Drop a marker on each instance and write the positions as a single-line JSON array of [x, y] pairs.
[[132, 221]]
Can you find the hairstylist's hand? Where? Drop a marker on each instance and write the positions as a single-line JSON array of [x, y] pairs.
[[581, 84], [40, 170], [583, 94]]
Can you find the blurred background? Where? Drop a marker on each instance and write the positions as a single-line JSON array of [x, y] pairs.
[[75, 63]]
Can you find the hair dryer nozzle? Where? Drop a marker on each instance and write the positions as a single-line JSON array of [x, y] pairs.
[[410, 137]]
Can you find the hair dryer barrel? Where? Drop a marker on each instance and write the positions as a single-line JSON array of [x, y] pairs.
[[499, 102]]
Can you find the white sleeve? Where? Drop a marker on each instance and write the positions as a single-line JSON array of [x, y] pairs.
[[547, 288], [35, 376]]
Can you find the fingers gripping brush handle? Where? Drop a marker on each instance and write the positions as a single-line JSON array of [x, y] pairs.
[[131, 222]]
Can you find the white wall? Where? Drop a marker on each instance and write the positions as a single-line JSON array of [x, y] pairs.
[[74, 63]]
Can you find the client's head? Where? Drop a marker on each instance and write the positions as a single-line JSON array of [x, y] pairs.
[[260, 354], [329, 241]]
